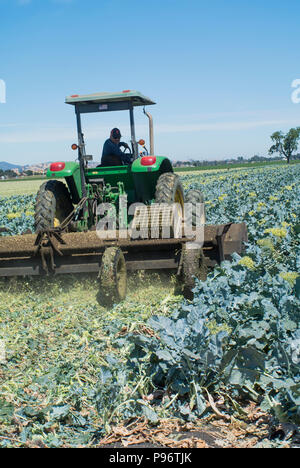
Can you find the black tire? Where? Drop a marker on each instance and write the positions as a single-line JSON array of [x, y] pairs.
[[53, 205], [194, 197], [169, 189], [192, 265], [112, 277]]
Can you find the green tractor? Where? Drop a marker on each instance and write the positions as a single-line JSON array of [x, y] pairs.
[[67, 217], [146, 180]]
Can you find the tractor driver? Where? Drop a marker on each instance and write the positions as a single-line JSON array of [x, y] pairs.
[[112, 154]]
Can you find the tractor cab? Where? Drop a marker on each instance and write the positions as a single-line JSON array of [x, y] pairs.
[[108, 102]]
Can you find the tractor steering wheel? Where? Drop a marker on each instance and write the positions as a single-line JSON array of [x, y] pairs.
[[127, 148]]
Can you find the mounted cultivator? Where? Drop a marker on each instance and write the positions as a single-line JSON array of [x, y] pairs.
[[111, 219]]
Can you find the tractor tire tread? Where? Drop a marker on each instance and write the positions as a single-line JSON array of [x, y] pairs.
[[194, 197], [52, 194], [192, 265], [166, 187], [112, 277]]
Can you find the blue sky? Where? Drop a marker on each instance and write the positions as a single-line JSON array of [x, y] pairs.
[[220, 72]]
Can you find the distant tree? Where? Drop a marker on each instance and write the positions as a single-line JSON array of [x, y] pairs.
[[10, 174], [285, 144], [255, 158], [29, 173]]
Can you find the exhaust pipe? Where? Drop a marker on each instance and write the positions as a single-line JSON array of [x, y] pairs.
[[151, 133]]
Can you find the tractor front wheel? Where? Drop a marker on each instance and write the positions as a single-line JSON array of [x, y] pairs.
[[112, 277], [192, 265], [53, 205]]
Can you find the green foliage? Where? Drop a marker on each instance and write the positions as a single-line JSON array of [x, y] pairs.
[[240, 336], [17, 213], [74, 369]]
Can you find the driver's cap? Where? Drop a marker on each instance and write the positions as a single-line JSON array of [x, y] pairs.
[[115, 133]]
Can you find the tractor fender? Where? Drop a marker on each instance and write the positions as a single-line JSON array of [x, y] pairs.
[[146, 176], [70, 171], [161, 164]]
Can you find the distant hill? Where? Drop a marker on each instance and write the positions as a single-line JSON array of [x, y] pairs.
[[5, 166]]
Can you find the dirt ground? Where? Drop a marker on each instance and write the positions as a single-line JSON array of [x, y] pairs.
[[209, 433]]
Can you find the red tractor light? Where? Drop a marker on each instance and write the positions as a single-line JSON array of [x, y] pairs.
[[57, 166], [148, 160]]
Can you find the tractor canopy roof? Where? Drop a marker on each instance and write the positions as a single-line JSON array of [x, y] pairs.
[[134, 97]]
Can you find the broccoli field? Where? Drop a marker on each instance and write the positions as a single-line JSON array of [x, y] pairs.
[[72, 371]]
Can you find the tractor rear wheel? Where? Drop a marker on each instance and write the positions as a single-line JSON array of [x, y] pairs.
[[195, 198], [112, 277], [192, 265], [169, 189], [53, 205]]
